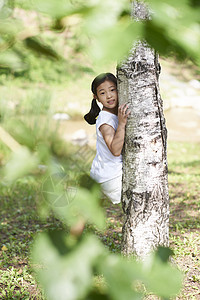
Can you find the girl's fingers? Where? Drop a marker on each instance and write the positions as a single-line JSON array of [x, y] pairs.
[[123, 108], [123, 105]]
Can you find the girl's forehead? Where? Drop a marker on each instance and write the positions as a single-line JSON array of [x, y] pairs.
[[106, 84]]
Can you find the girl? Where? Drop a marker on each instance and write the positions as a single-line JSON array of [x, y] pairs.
[[110, 129]]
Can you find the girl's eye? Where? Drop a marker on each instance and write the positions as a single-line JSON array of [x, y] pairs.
[[102, 93], [113, 90]]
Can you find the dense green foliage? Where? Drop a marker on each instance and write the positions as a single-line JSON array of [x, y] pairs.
[[94, 33]]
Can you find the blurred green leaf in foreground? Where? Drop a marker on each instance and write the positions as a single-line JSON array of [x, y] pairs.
[[66, 268], [101, 31], [66, 263]]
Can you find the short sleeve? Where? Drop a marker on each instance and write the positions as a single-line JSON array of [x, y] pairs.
[[107, 118]]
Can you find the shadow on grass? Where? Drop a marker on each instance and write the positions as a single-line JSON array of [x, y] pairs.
[[112, 235], [184, 208], [170, 172], [195, 164]]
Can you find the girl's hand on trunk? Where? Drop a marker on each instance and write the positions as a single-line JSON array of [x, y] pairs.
[[123, 114]]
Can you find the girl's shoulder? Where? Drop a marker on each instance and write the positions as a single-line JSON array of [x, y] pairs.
[[106, 117], [107, 114]]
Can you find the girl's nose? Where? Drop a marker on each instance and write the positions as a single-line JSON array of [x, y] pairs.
[[108, 95]]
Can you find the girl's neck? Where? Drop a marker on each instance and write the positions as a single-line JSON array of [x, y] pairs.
[[111, 110]]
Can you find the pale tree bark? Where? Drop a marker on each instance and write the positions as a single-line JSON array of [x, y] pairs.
[[145, 199]]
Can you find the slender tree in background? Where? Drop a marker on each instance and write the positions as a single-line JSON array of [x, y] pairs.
[[145, 197]]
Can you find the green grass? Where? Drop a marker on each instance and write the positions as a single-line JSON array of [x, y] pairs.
[[184, 189], [20, 221]]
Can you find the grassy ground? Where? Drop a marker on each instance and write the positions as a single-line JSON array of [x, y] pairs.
[[19, 221]]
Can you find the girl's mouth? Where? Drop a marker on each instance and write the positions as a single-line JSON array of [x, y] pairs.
[[111, 102]]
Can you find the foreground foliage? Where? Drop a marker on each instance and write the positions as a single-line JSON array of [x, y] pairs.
[[89, 31], [20, 222]]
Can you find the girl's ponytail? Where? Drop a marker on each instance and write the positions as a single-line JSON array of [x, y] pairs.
[[93, 113]]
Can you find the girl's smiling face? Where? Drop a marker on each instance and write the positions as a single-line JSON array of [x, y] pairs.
[[107, 95]]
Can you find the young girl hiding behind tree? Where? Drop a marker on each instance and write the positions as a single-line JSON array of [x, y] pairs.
[[110, 129]]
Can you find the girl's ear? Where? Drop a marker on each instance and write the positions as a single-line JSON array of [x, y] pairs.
[[95, 97]]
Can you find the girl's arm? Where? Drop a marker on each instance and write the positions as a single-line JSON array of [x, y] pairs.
[[115, 140]]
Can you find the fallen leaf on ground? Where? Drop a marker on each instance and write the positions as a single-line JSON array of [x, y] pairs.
[[4, 248]]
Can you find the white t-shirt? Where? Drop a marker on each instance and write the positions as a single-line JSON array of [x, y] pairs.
[[105, 165]]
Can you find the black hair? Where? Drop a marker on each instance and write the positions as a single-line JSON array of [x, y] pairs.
[[95, 109]]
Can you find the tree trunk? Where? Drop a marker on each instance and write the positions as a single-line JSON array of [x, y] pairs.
[[145, 199]]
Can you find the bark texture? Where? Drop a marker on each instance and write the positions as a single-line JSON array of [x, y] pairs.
[[145, 199]]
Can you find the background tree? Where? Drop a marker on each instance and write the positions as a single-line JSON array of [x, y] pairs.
[[145, 197]]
